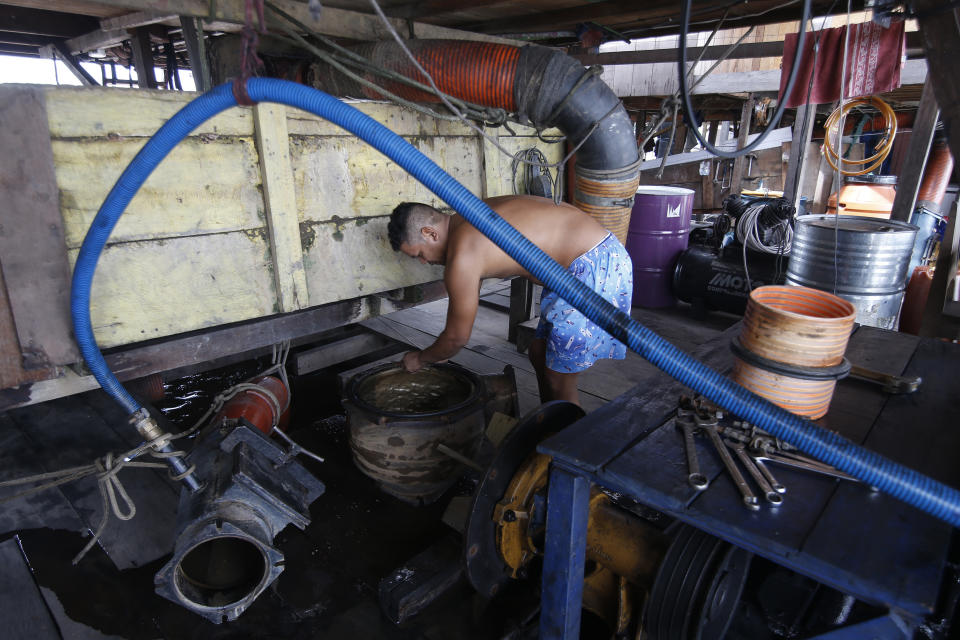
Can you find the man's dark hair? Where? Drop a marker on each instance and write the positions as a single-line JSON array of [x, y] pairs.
[[405, 216]]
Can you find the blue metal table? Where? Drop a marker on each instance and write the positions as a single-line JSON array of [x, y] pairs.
[[863, 543]]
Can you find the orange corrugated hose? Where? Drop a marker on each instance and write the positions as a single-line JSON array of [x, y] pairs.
[[937, 175], [478, 72]]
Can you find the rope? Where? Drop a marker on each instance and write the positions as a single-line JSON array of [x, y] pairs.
[[107, 467]]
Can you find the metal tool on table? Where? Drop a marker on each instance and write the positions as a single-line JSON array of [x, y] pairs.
[[686, 424], [889, 382], [769, 493], [754, 448], [710, 427]]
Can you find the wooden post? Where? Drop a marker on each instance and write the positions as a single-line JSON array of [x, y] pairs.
[[739, 165], [196, 52], [802, 130], [281, 205], [712, 131], [916, 160], [73, 64], [940, 32], [143, 58], [521, 303]]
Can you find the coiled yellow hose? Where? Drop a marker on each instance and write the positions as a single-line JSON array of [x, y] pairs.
[[883, 147]]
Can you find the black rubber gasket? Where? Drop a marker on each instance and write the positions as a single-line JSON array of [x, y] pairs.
[[835, 372]]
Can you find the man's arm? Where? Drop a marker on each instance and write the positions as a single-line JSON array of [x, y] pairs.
[[463, 288]]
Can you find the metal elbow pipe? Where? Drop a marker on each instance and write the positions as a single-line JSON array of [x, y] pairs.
[[543, 87]]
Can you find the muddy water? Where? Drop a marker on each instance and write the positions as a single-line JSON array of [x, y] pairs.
[[427, 391]]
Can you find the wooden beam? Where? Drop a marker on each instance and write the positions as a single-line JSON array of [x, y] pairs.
[[273, 143], [940, 29], [32, 245], [915, 162], [73, 64], [134, 20], [913, 72], [336, 352], [333, 21], [651, 56], [739, 165], [143, 58], [193, 38], [802, 130], [98, 39], [745, 50], [39, 22]]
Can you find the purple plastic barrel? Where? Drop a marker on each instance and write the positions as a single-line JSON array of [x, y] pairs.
[[658, 233]]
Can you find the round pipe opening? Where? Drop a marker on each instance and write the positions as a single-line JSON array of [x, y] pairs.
[[434, 390], [220, 572], [803, 302]]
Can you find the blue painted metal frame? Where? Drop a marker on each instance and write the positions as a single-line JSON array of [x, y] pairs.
[[631, 447], [567, 511], [886, 627]]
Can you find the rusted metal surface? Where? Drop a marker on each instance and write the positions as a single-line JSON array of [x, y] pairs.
[[397, 420]]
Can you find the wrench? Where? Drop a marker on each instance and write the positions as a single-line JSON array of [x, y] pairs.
[[696, 479], [807, 466], [889, 382], [772, 496], [779, 488], [749, 499]]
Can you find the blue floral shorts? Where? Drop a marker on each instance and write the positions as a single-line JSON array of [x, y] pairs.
[[574, 342]]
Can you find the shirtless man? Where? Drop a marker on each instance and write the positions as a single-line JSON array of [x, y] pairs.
[[566, 342]]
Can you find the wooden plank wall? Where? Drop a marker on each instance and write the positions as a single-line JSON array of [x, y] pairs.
[[242, 221]]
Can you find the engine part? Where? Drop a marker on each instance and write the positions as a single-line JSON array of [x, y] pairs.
[[264, 405], [697, 587], [398, 421], [716, 280], [224, 557]]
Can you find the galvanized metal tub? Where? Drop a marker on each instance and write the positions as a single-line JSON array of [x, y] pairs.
[[870, 268], [398, 419]]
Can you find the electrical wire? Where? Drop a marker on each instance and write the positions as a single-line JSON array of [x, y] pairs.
[[685, 91]]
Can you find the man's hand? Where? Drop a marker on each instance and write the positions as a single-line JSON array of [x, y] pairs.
[[411, 361]]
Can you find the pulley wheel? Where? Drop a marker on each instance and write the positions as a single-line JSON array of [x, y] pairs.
[[697, 587], [485, 569]]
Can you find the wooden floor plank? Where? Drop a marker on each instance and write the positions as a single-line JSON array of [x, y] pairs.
[[22, 609]]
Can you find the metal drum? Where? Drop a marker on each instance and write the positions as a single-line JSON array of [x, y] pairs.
[[398, 422], [862, 260], [659, 232]]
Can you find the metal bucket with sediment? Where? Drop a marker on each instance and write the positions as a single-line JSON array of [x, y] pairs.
[[791, 346], [862, 260], [397, 420]]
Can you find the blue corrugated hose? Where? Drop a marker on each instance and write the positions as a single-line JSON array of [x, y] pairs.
[[905, 484]]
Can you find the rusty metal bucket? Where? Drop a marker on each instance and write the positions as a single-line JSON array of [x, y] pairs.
[[397, 420]]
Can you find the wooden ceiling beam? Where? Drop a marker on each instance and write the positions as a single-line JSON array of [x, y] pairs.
[[39, 22], [333, 21]]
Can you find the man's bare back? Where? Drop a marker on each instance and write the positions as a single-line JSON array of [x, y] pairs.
[[562, 231]]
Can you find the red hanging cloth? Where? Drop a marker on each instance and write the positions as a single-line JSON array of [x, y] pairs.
[[874, 60]]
